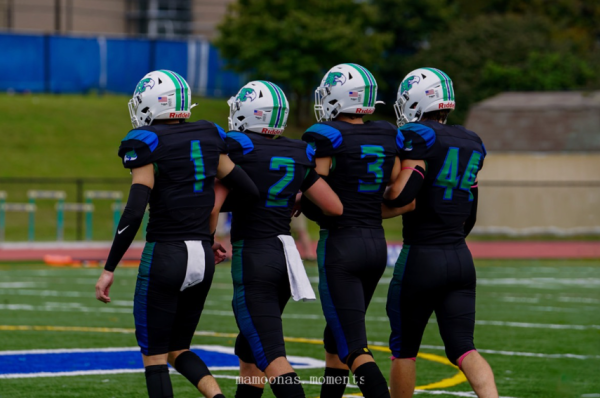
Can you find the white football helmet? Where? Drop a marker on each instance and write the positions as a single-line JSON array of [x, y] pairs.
[[161, 94], [346, 88], [259, 106], [423, 90]]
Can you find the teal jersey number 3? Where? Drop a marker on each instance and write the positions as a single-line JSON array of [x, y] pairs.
[[373, 168], [450, 177]]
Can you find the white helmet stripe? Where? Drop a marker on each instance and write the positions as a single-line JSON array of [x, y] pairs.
[[280, 107], [371, 82]]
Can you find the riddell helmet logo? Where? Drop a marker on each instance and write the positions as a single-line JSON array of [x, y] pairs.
[[447, 105], [271, 131], [365, 111], [180, 115]]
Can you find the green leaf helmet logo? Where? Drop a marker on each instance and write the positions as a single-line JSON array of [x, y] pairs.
[[144, 84], [333, 78], [409, 83], [130, 156], [247, 93]]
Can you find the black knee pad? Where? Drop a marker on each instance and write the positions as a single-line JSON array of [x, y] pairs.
[[329, 341], [355, 354], [243, 350], [191, 367], [454, 352]]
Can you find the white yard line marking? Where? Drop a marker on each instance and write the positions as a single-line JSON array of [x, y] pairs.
[[506, 353], [20, 284], [68, 307]]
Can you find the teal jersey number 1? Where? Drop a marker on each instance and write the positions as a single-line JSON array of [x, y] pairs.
[[372, 168], [277, 163], [449, 177], [196, 157]]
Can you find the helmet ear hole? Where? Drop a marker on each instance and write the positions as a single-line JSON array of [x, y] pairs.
[[241, 118], [145, 109], [159, 81], [260, 95], [333, 102], [349, 75], [414, 105]]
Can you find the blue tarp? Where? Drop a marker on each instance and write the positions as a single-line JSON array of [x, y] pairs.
[[65, 64]]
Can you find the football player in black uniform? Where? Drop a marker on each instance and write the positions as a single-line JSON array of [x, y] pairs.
[[266, 266], [174, 165], [357, 160], [435, 271]]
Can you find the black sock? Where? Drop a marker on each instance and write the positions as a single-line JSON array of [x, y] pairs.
[[219, 396], [248, 391], [158, 381], [370, 381], [334, 383], [287, 386], [191, 367]]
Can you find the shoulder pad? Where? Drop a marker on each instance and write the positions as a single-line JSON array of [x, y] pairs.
[[243, 140], [334, 135], [310, 152], [399, 139], [221, 131], [425, 132], [148, 137]]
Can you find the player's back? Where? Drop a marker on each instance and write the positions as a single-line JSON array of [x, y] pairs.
[[185, 158], [363, 157], [278, 167], [453, 156]]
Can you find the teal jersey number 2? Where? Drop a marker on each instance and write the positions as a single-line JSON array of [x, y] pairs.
[[372, 168], [273, 198], [196, 157], [449, 177]]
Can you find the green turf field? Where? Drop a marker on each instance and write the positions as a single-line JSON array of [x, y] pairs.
[[531, 316]]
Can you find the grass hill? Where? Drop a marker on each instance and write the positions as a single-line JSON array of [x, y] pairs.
[[50, 136], [72, 135]]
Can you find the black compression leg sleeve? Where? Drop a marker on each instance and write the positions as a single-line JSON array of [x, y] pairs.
[[287, 386], [219, 396], [470, 222], [248, 391], [334, 383], [130, 222], [370, 381], [238, 180], [158, 381], [191, 367]]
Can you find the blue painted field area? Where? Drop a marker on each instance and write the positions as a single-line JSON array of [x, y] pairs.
[[36, 363]]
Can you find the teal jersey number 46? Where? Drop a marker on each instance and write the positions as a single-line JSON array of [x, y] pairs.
[[450, 177]]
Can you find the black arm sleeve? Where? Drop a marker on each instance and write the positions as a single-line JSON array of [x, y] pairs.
[[233, 202], [311, 178], [239, 181], [470, 223], [410, 191], [129, 224], [311, 210]]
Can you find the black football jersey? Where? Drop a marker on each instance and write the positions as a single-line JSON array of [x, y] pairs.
[[363, 157], [185, 158], [278, 167], [453, 157]]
